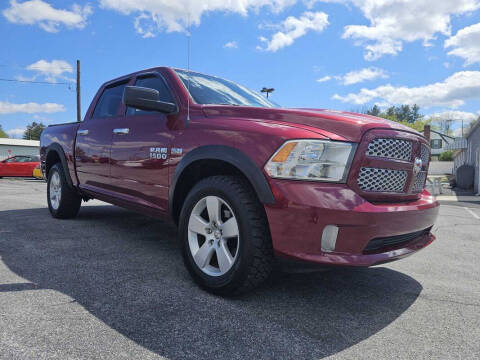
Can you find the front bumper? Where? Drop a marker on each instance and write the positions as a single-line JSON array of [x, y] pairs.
[[303, 209]]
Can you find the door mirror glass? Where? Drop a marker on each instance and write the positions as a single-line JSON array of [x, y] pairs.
[[146, 99]]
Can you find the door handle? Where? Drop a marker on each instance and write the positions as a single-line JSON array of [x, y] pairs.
[[122, 131], [82, 132]]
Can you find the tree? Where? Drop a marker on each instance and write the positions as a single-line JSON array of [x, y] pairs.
[[391, 112], [416, 116], [33, 131], [470, 126], [403, 114], [3, 134], [375, 111]]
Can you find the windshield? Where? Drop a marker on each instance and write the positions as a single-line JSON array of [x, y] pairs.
[[206, 89]]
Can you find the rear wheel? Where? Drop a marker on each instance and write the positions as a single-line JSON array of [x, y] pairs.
[[63, 201], [224, 232]]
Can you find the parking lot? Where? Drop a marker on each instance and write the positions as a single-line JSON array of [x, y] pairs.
[[111, 284]]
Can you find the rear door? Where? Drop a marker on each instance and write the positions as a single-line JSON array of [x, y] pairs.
[[140, 150], [94, 138]]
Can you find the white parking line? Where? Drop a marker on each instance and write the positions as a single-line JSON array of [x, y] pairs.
[[472, 213]]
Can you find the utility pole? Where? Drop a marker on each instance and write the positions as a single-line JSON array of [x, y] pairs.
[[79, 112]]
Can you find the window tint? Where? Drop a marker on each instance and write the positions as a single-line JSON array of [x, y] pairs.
[[109, 102], [152, 82]]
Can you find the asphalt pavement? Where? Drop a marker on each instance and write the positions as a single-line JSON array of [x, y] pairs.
[[111, 284]]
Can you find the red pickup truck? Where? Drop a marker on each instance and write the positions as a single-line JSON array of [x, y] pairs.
[[248, 183]]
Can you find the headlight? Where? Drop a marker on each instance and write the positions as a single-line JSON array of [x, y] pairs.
[[320, 160]]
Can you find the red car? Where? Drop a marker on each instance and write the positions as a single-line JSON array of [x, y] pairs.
[[19, 166], [248, 183]]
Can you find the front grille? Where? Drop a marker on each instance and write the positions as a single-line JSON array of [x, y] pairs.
[[387, 170], [390, 148], [381, 243], [419, 183], [425, 155], [382, 180]]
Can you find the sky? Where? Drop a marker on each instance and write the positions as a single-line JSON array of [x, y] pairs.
[[336, 54]]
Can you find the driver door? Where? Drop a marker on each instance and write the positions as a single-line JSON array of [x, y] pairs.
[[140, 150], [7, 167]]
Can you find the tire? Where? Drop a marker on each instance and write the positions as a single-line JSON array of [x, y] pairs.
[[63, 201], [251, 255]]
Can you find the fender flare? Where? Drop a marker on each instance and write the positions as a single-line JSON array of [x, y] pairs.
[[57, 148], [232, 156]]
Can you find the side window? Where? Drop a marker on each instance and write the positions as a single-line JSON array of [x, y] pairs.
[[22, 159], [152, 82], [30, 158], [11, 160], [109, 102]]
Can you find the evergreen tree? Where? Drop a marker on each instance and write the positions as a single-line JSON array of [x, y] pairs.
[[375, 111], [33, 131]]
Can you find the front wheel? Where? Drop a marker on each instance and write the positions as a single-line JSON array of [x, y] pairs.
[[225, 238], [63, 201]]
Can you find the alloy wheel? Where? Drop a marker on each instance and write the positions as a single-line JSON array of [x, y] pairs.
[[55, 190], [213, 236]]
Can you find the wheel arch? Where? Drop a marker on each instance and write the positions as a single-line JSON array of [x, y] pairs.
[[55, 154], [213, 160]]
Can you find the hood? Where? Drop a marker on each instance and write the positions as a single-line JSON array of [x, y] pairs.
[[337, 125]]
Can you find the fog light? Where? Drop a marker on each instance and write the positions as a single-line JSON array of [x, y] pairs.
[[329, 238]]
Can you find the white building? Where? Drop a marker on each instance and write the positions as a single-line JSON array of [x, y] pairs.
[[438, 143], [11, 147], [467, 152]]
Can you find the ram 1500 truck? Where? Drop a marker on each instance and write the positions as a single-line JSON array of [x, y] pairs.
[[248, 183]]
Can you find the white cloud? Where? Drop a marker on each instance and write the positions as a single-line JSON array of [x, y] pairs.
[[456, 117], [366, 74], [49, 71], [459, 132], [30, 108], [452, 92], [45, 16], [17, 132], [466, 44], [231, 45], [324, 79], [310, 4], [393, 22], [292, 28], [453, 115], [357, 76], [153, 16]]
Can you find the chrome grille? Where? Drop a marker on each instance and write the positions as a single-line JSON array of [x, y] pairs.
[[419, 183], [390, 148], [425, 155], [381, 180]]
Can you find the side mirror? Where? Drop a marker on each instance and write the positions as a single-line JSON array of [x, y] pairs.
[[146, 99]]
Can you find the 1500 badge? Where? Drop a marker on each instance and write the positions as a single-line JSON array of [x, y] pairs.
[[161, 152]]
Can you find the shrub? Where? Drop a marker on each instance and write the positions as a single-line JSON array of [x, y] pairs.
[[446, 156]]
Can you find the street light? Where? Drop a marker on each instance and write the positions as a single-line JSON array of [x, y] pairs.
[[267, 90]]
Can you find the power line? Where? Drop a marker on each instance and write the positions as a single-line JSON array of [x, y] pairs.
[[35, 82]]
